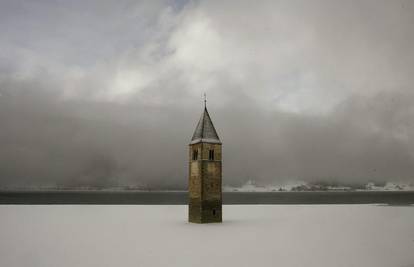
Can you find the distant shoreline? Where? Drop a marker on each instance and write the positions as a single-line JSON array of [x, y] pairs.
[[183, 191], [100, 197]]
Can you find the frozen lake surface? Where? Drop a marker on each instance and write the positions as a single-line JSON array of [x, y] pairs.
[[251, 235]]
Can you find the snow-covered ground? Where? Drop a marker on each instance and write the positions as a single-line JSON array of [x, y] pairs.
[[251, 235]]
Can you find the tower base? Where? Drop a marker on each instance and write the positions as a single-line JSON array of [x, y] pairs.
[[204, 211]]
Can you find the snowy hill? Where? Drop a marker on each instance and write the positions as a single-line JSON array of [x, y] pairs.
[[251, 186]]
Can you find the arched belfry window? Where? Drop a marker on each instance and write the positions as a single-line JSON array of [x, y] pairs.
[[211, 154], [195, 154]]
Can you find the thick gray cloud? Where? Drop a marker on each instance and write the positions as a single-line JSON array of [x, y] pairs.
[[107, 93]]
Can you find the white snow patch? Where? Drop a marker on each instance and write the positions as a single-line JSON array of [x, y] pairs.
[[251, 186], [251, 235], [391, 186]]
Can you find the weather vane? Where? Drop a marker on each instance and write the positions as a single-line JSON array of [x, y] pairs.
[[205, 100]]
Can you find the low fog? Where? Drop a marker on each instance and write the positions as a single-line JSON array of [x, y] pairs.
[[109, 93]]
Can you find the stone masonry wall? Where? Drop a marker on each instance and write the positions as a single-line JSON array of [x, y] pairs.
[[205, 194]]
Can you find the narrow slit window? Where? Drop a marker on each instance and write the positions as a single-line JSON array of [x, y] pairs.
[[195, 154], [211, 154]]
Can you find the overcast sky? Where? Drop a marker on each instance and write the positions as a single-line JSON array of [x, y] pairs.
[[109, 92]]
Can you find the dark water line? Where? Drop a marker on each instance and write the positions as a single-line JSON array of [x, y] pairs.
[[229, 198]]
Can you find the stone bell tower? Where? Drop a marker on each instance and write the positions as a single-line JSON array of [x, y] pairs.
[[204, 184]]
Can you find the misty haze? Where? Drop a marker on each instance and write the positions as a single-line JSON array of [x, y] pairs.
[[108, 95]]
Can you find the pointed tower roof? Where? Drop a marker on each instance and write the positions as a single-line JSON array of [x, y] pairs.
[[205, 131]]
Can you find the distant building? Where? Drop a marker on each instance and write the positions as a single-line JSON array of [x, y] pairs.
[[204, 185]]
